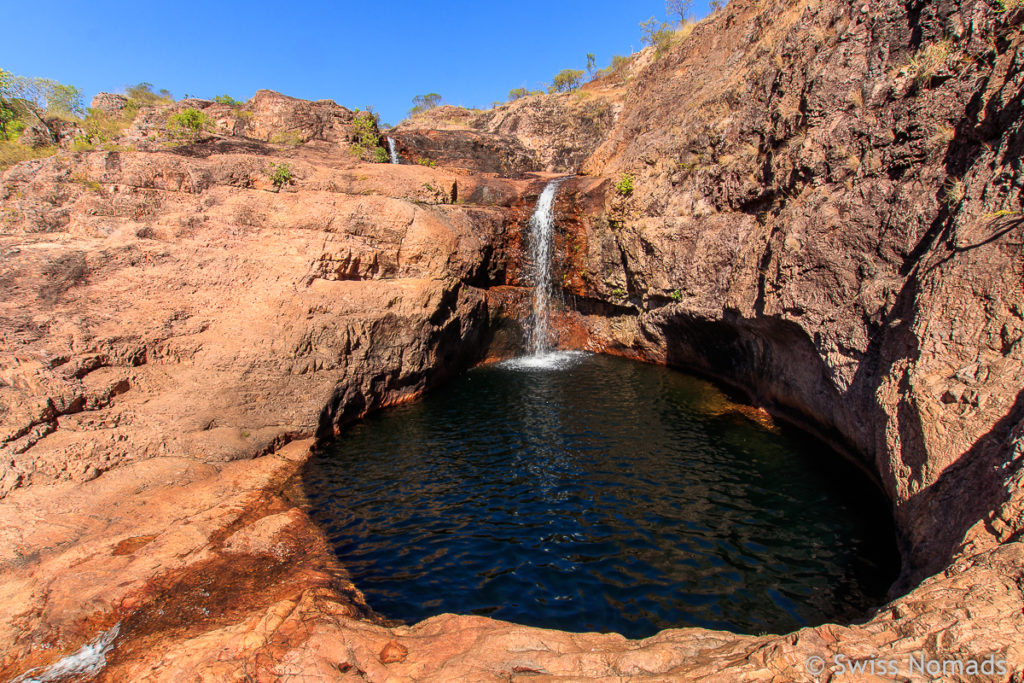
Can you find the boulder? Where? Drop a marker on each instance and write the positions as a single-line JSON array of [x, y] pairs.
[[109, 103]]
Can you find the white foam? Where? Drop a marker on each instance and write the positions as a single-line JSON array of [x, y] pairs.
[[88, 661], [541, 241], [552, 360]]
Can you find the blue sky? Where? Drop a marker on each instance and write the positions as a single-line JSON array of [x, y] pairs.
[[358, 54]]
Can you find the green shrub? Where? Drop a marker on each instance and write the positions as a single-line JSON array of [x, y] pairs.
[[1009, 5], [426, 162], [280, 175], [422, 103], [676, 295], [519, 93], [625, 184], [187, 124], [15, 128], [566, 80], [289, 138], [657, 34], [143, 94], [7, 113], [20, 95], [8, 119], [101, 127], [228, 100], [64, 99], [44, 93], [616, 68], [368, 143], [619, 293]]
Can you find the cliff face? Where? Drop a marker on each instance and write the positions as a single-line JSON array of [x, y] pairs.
[[826, 212], [545, 133], [171, 302]]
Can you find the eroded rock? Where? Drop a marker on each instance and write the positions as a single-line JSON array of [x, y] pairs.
[[812, 219]]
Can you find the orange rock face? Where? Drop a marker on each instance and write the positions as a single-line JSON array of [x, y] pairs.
[[812, 219], [393, 652], [169, 315]]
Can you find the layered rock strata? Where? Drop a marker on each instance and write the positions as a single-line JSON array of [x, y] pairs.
[[825, 211], [838, 231], [538, 133]]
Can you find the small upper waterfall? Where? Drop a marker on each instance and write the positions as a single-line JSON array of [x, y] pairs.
[[393, 152], [85, 664], [542, 224]]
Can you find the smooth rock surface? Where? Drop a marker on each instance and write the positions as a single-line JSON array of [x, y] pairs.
[[813, 219]]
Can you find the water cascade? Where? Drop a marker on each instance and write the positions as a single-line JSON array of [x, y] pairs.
[[542, 224], [85, 664], [569, 490], [393, 152]]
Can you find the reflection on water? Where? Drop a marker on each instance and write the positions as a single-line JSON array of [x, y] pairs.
[[592, 493]]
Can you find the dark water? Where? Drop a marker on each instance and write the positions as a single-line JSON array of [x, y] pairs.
[[604, 496]]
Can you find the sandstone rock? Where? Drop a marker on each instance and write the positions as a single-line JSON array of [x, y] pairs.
[[274, 114], [147, 350], [393, 652], [109, 103], [791, 248], [811, 220], [551, 133], [50, 131], [560, 130], [467, 149]]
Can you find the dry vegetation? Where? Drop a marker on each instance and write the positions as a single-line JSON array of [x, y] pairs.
[[13, 152]]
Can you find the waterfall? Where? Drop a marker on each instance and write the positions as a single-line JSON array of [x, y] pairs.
[[85, 664], [540, 357], [542, 224], [393, 152]]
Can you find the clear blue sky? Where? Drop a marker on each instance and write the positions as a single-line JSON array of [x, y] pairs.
[[356, 53]]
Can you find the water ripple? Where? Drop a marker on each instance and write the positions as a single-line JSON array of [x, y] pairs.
[[591, 493]]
